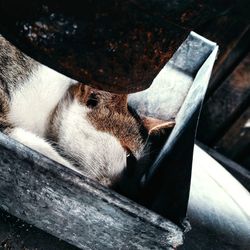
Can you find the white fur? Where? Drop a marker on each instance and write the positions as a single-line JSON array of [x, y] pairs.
[[32, 103], [38, 144], [100, 154]]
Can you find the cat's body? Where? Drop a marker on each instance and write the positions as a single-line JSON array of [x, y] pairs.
[[91, 131], [40, 106]]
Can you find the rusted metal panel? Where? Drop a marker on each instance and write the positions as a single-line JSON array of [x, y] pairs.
[[112, 45]]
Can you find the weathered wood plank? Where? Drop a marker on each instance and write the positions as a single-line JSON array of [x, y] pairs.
[[237, 139], [226, 104], [74, 208]]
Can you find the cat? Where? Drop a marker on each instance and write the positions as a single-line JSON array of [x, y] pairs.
[[88, 130]]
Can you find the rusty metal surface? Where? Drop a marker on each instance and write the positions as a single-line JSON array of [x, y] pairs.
[[113, 45]]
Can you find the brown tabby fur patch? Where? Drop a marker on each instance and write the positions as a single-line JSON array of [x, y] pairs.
[[111, 115]]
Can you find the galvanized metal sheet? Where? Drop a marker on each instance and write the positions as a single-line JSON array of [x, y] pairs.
[[177, 92]]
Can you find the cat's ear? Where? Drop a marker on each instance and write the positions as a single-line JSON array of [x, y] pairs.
[[79, 91], [157, 126]]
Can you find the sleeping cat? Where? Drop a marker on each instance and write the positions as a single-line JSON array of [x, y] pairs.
[[91, 131]]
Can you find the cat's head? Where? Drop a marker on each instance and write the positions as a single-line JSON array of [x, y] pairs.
[[114, 136]]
